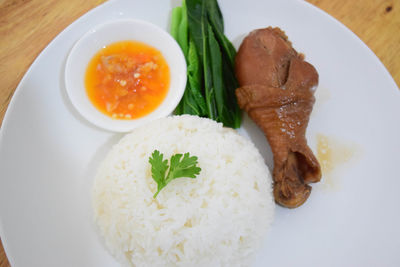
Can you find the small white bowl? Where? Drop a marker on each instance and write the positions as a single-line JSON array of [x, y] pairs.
[[111, 32]]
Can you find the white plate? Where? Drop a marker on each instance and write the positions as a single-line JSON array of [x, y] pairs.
[[48, 153]]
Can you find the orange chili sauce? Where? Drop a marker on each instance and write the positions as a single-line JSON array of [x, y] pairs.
[[127, 80]]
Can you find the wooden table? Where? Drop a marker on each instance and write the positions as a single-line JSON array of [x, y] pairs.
[[26, 27]]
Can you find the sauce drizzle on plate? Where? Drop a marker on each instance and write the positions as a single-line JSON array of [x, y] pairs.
[[334, 154]]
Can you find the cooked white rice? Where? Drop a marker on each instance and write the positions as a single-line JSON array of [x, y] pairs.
[[217, 219]]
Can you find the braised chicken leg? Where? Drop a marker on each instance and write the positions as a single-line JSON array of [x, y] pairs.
[[277, 92]]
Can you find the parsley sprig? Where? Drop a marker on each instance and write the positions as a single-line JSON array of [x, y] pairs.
[[179, 167]]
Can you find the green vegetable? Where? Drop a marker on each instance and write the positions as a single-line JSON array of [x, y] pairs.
[[208, 82], [193, 101], [210, 59], [216, 71], [183, 30], [231, 84], [175, 21], [179, 167], [217, 22], [197, 16], [194, 77]]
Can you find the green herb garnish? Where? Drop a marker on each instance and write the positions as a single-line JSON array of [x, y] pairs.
[[179, 167]]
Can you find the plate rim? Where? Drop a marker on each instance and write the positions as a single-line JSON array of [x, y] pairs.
[[11, 106]]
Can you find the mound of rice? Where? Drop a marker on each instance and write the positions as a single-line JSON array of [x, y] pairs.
[[217, 219]]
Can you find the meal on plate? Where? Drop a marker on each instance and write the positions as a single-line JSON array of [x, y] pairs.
[[277, 91], [187, 191], [150, 215], [127, 79]]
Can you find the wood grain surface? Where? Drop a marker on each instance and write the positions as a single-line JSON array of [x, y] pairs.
[[27, 26]]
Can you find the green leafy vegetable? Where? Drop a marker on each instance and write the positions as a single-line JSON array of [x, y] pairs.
[[193, 101], [194, 77], [231, 84], [179, 167], [208, 82], [196, 13], [217, 22], [216, 71], [210, 56], [175, 20], [183, 30]]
